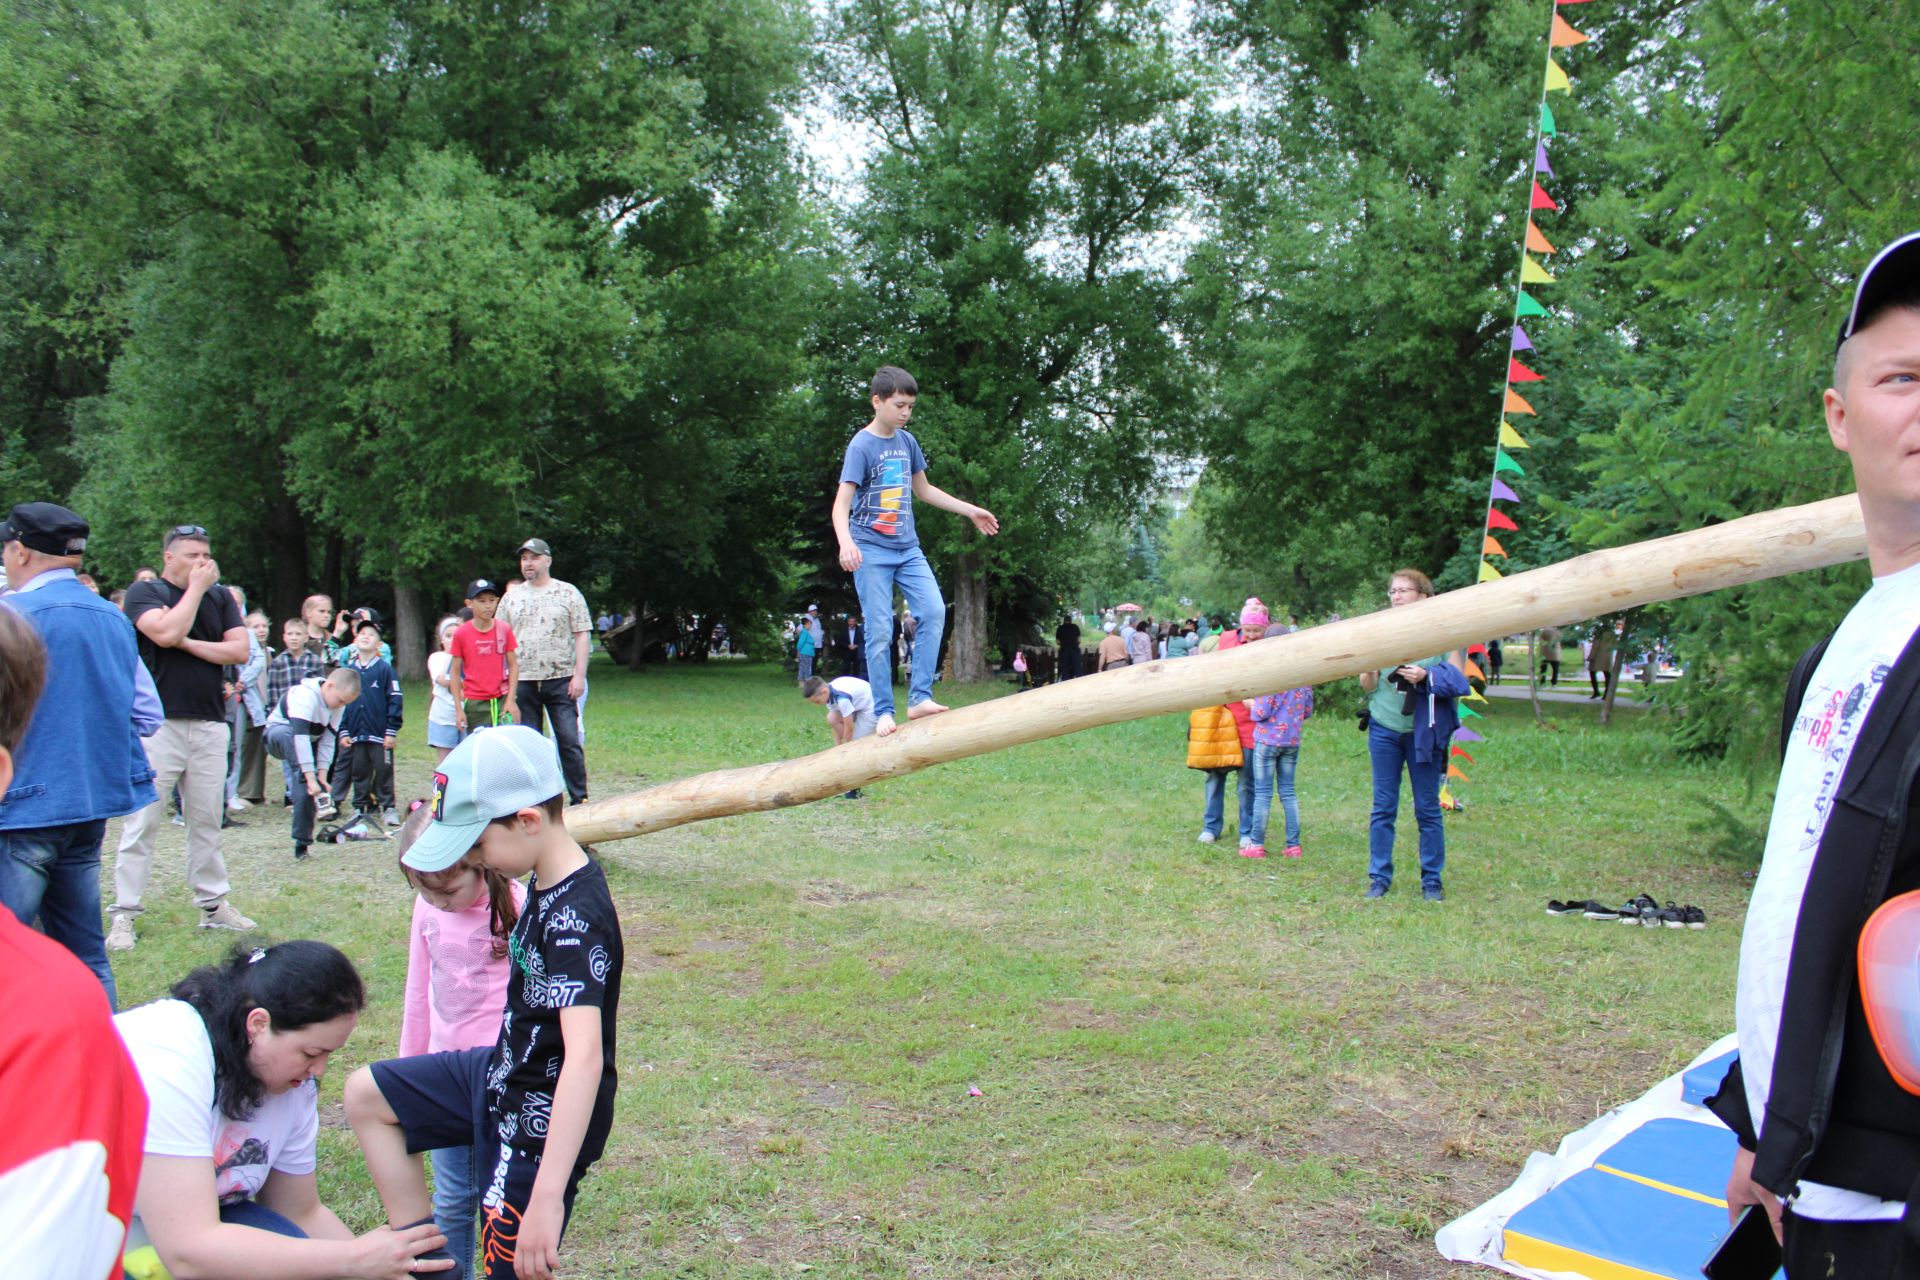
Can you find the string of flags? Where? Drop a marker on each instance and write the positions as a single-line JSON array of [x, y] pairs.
[[1520, 350]]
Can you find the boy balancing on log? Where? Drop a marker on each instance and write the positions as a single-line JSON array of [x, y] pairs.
[[538, 1106], [881, 475]]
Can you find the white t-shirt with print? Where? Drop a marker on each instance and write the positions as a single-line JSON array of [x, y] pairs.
[[1851, 674], [169, 1045], [441, 709]]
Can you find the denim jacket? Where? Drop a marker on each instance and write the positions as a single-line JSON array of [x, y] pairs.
[[81, 760], [1438, 715]]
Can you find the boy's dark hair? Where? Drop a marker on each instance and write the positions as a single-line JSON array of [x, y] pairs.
[[23, 674], [811, 685], [555, 807], [297, 983], [891, 380]]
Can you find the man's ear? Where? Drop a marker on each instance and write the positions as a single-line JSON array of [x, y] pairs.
[[1836, 407]]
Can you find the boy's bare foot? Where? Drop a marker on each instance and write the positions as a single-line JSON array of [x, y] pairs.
[[919, 710], [884, 725]]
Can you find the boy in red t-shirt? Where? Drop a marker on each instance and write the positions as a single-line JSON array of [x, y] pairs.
[[485, 666]]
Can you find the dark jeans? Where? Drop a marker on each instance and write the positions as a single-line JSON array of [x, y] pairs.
[[548, 699], [368, 768], [53, 873], [1069, 663], [280, 745], [1551, 662], [1817, 1249], [1391, 753]]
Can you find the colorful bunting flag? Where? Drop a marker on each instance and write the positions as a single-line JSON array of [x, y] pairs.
[[1464, 734], [1517, 372], [1488, 573], [1476, 696], [1516, 403], [1557, 78], [1498, 519], [1468, 711], [1537, 242], [1546, 121], [1564, 36], [1453, 771], [1473, 669], [1501, 462], [1541, 200], [1532, 272], [1462, 753], [1512, 439], [1525, 308], [1490, 546], [1500, 490], [1540, 164], [1521, 342]]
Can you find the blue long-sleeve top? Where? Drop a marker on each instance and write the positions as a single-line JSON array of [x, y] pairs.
[[376, 712]]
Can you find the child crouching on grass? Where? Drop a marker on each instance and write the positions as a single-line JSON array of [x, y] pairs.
[[849, 704], [537, 1106], [457, 972]]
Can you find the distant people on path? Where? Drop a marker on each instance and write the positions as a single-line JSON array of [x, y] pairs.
[[80, 760], [881, 475], [443, 728], [813, 623], [1494, 659], [1140, 643], [1549, 652], [1278, 719], [1113, 651], [1413, 713], [486, 663], [1600, 659], [1066, 643], [804, 647], [849, 704], [303, 734], [550, 619], [369, 730], [189, 627]]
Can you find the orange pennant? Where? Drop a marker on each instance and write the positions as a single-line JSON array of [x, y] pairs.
[[1453, 771], [1537, 242], [1491, 547], [1564, 36], [1473, 669], [1516, 404]]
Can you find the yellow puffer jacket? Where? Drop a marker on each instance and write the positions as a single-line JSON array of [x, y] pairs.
[[1213, 740]]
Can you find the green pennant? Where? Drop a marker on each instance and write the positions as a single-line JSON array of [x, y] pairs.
[[1526, 306], [1546, 121], [1501, 462], [1466, 710]]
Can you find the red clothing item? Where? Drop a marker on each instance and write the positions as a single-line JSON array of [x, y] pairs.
[[73, 1116], [1242, 718], [483, 659]]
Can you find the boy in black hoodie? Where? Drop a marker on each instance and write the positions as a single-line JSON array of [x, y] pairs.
[[368, 729]]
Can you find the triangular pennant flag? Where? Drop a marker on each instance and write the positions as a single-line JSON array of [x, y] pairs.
[[1541, 200], [1517, 372], [1500, 490], [1537, 242], [1546, 121], [1516, 403], [1498, 519], [1540, 164], [1532, 272], [1475, 697], [1501, 462], [1521, 342], [1490, 546], [1464, 734], [1512, 439], [1462, 753], [1446, 799], [1454, 772], [1488, 573], [1525, 308], [1473, 669], [1564, 36], [1557, 78], [1466, 710]]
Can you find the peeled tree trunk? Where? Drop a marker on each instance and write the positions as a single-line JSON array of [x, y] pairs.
[[967, 621], [409, 634]]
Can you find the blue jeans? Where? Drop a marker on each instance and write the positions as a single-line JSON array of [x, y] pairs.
[[456, 1201], [1391, 752], [881, 570], [1271, 766], [53, 873], [1217, 798], [245, 1213]]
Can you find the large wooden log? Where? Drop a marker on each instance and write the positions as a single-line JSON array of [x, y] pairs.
[[1769, 545]]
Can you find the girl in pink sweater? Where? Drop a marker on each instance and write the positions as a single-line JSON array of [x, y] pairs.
[[456, 991]]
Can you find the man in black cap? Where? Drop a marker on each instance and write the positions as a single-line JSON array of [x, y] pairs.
[[1829, 1142], [81, 762], [555, 631], [189, 627]]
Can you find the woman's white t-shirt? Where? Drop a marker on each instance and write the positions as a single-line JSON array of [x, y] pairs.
[[439, 667], [170, 1048]]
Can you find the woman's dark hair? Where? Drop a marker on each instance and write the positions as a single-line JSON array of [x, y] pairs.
[[297, 983]]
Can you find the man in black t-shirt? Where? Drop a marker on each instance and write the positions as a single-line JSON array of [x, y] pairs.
[[189, 627], [1066, 639]]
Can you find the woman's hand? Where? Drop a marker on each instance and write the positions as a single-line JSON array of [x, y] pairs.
[[1412, 674], [1743, 1192], [386, 1254]]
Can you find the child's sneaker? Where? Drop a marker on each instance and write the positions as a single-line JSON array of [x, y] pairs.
[[1292, 851], [1246, 842], [1206, 837], [1254, 851]]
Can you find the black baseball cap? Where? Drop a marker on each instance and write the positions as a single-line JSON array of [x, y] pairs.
[[1893, 273], [44, 527], [366, 624], [480, 587]]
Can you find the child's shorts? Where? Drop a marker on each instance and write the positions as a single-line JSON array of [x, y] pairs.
[[440, 1100], [442, 735]]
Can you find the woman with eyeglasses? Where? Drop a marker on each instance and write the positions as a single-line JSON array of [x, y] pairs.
[[1412, 714]]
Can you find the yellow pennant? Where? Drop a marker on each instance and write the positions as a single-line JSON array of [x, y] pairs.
[[1537, 242], [1474, 697], [1557, 78], [1532, 272], [1511, 438], [1488, 573]]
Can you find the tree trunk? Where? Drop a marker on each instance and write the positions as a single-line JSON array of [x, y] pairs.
[[409, 633], [1612, 677], [333, 571], [289, 579], [967, 621], [637, 638]]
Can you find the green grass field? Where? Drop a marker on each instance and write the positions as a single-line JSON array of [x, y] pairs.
[[1189, 1063]]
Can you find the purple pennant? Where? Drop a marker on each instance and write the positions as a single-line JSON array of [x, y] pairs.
[[1521, 342], [1500, 490], [1468, 735], [1540, 164]]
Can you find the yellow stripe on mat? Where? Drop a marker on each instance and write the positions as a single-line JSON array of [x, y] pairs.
[[1667, 1187], [1542, 1256]]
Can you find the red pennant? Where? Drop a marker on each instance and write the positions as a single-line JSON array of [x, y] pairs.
[[1541, 200], [1456, 751], [1498, 519], [1517, 372], [1475, 648]]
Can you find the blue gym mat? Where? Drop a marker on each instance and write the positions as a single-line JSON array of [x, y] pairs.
[[1702, 1082], [1679, 1156], [1606, 1227]]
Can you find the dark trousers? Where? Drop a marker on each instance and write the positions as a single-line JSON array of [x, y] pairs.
[[368, 768], [1816, 1249], [1551, 662], [1069, 663], [280, 745], [545, 701]]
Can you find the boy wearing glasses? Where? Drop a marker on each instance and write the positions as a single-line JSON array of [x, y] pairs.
[[189, 627]]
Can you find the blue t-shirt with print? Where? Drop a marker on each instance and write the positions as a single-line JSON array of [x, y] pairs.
[[883, 468]]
